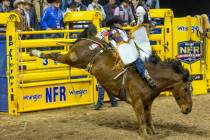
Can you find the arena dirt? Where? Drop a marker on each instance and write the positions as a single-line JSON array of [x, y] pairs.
[[85, 123]]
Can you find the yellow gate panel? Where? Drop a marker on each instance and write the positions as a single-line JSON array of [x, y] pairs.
[[187, 48], [161, 33], [56, 95]]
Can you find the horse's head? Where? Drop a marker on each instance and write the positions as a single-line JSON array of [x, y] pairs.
[[182, 92], [182, 88]]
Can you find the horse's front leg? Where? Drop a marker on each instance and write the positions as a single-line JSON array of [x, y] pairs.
[[54, 56], [139, 111], [148, 119]]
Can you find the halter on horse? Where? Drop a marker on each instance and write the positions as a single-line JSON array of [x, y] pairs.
[[170, 75]]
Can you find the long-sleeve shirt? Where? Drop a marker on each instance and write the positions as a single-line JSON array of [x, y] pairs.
[[126, 14], [140, 13], [109, 10], [52, 18]]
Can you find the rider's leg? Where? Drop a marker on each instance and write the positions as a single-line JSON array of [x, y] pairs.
[[112, 100], [139, 64], [100, 97]]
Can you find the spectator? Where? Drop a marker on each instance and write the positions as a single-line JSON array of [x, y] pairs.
[[19, 9], [96, 6], [153, 4], [30, 14], [142, 13], [133, 4], [109, 9], [124, 11], [72, 7], [53, 17], [5, 6], [80, 5], [101, 98]]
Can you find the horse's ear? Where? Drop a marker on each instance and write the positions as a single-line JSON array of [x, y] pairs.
[[154, 58]]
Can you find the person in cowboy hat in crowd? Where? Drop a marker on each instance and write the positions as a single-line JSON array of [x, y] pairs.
[[52, 18], [30, 14], [19, 9], [127, 49], [5, 6]]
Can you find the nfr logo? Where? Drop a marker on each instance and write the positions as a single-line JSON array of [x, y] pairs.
[[189, 51], [53, 92]]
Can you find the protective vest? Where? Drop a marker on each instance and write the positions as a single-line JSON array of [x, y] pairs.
[[125, 47]]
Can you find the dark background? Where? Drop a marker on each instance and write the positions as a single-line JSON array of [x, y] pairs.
[[180, 7], [187, 7]]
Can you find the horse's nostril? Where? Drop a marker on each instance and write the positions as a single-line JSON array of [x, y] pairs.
[[188, 110]]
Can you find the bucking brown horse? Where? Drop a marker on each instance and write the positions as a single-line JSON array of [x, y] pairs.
[[97, 56]]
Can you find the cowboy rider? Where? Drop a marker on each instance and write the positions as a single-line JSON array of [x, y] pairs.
[[127, 49]]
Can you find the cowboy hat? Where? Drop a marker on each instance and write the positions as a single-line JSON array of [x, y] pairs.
[[16, 2]]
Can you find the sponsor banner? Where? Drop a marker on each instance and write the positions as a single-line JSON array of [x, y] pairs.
[[189, 51]]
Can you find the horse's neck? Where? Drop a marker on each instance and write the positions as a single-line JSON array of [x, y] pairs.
[[163, 75]]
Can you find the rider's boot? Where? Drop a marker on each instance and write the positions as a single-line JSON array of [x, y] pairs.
[[149, 79]]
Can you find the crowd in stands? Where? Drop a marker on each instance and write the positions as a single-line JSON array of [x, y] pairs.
[[48, 14]]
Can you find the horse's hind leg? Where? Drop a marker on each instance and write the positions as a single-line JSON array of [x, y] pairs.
[[139, 111], [54, 56], [148, 119]]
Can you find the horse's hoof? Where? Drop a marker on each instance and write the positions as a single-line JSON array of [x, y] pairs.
[[148, 137], [151, 131], [144, 135]]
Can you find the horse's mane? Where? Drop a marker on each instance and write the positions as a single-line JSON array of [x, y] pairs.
[[174, 64], [88, 32]]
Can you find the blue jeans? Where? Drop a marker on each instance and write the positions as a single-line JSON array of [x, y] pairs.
[[139, 65], [101, 96]]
